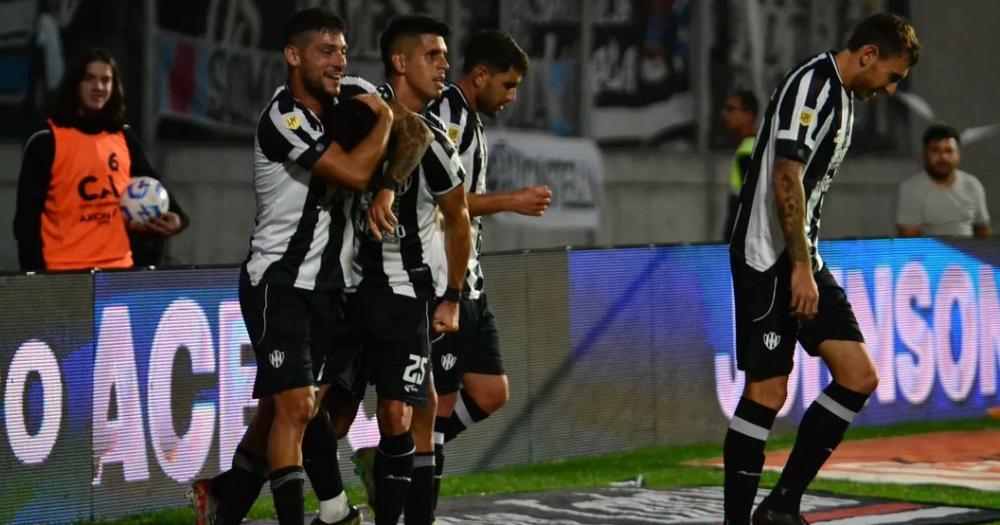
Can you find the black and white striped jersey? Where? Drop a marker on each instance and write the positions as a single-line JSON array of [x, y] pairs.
[[301, 223], [808, 119], [410, 261], [465, 129]]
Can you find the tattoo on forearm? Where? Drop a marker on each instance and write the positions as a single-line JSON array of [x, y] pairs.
[[790, 200], [407, 143]]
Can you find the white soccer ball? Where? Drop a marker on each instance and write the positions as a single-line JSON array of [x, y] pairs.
[[144, 200]]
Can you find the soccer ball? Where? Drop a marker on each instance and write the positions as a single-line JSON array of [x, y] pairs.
[[144, 200]]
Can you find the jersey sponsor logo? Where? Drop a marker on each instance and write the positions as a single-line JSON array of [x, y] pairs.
[[771, 340], [806, 117], [292, 122], [277, 358], [453, 134], [448, 361], [90, 188], [102, 217]]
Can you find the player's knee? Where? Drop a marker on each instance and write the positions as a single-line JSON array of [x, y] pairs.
[[393, 418], [296, 408], [864, 381], [770, 393], [446, 404]]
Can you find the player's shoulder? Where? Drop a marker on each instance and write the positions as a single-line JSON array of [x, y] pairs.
[[433, 121], [353, 85], [820, 67]]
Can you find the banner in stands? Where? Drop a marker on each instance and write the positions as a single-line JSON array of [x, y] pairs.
[[570, 167], [640, 68], [220, 62]]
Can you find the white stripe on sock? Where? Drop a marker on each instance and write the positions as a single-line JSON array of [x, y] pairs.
[[463, 413], [836, 408], [749, 429]]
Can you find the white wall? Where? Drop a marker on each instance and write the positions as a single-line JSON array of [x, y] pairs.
[[649, 196]]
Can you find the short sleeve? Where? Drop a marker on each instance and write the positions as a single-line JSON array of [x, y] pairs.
[[283, 136], [803, 102]]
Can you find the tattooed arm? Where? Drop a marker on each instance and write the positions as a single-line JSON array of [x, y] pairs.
[[789, 197], [407, 143]]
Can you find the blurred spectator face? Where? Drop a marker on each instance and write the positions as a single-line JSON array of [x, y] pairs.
[[879, 75], [500, 90], [736, 117], [322, 62], [95, 88], [941, 158]]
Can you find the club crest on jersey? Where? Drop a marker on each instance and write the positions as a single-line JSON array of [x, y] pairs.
[[276, 357], [806, 117], [292, 122], [771, 340], [448, 361], [453, 134]]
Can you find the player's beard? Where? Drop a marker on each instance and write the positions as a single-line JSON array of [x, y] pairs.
[[316, 87]]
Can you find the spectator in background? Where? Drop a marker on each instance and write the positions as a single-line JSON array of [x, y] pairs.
[[739, 116], [942, 200], [73, 172]]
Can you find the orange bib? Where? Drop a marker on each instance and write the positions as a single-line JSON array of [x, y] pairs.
[[82, 226]]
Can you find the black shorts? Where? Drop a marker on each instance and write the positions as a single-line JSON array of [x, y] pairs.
[[292, 332], [765, 329], [396, 331], [475, 348], [348, 369]]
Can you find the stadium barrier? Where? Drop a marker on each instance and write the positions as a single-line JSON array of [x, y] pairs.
[[118, 388]]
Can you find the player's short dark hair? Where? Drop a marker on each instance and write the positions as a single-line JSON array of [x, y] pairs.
[[312, 19], [748, 99], [496, 50], [938, 132], [66, 105], [892, 34], [407, 26]]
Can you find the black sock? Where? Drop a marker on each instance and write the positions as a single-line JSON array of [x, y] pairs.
[[418, 499], [393, 469], [237, 488], [319, 457], [438, 462], [466, 414], [287, 488], [822, 427], [743, 454]]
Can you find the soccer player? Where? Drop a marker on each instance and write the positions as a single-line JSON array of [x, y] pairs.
[[292, 281], [783, 291], [468, 368], [400, 279]]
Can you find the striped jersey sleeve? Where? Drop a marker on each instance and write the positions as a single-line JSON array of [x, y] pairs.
[[282, 136], [453, 114], [804, 104], [441, 164]]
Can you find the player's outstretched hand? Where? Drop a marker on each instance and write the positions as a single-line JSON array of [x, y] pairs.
[[533, 200], [380, 216], [164, 226], [445, 319]]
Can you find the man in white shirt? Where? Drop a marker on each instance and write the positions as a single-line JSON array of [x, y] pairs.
[[942, 200]]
